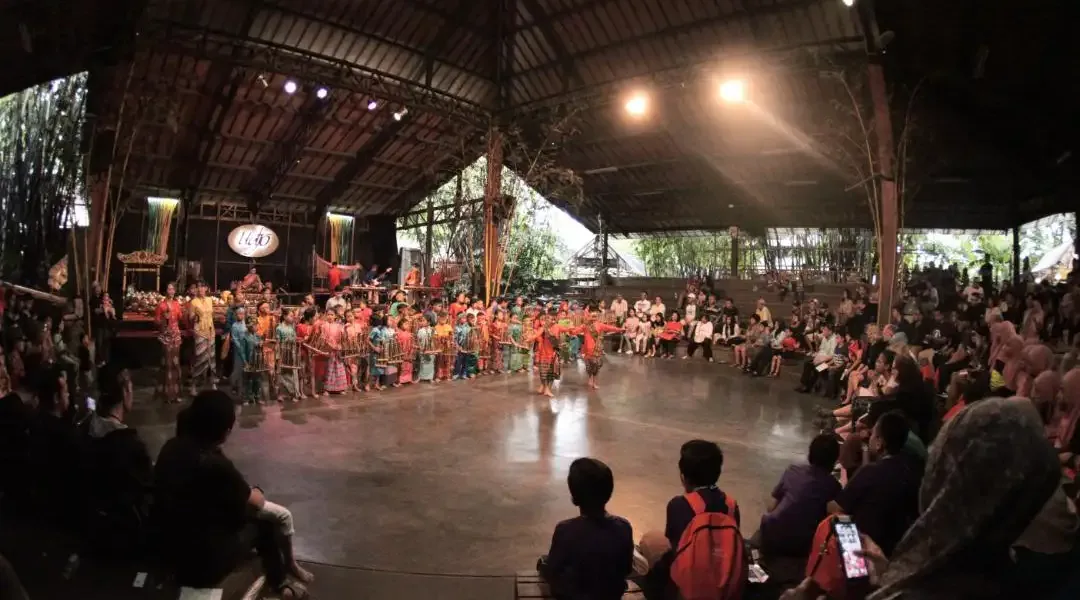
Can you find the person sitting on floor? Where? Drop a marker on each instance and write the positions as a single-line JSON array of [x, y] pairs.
[[883, 496], [592, 554], [700, 465], [119, 468], [54, 448], [799, 502], [209, 516], [819, 361]]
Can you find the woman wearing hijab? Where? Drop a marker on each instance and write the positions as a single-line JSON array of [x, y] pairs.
[[1011, 366], [1067, 417], [989, 473], [1044, 395], [1036, 358]]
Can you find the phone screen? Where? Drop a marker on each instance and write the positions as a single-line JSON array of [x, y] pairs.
[[91, 404], [848, 537]]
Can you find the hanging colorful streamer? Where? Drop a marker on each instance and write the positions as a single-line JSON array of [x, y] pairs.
[[341, 233], [160, 217]]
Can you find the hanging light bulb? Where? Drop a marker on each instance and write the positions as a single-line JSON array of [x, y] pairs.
[[372, 105], [290, 87]]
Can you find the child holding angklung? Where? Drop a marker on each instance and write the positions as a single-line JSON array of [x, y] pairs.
[[462, 331], [444, 343], [425, 351], [406, 343], [482, 335], [379, 339], [500, 351]]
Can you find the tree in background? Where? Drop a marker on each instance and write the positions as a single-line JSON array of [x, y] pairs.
[[41, 175], [533, 250]]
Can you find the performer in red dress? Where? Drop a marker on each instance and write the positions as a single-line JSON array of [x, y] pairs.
[[547, 353], [167, 317], [593, 349]]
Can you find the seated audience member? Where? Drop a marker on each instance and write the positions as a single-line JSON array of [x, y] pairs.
[[745, 346], [700, 465], [700, 335], [966, 388], [991, 473], [54, 448], [882, 497], [813, 368], [728, 333], [119, 468], [799, 502], [209, 516], [912, 396], [16, 422], [591, 555]]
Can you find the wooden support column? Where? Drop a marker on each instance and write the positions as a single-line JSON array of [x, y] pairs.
[[429, 232], [734, 232], [1016, 256], [886, 178], [492, 199]]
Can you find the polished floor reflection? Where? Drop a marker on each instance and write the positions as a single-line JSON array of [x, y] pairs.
[[469, 477]]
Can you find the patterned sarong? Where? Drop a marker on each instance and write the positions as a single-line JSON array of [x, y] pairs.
[[550, 370]]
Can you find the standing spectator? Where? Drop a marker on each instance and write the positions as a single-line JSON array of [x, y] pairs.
[[642, 305]]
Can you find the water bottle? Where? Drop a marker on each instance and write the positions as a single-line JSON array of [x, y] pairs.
[[70, 566]]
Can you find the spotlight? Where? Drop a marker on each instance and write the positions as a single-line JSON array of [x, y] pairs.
[[322, 93], [290, 87], [637, 105], [372, 105], [401, 113], [848, 2], [733, 91]]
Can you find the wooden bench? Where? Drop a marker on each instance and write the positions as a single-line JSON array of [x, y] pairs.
[[528, 585]]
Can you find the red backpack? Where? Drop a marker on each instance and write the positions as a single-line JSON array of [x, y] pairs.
[[710, 562], [826, 567]]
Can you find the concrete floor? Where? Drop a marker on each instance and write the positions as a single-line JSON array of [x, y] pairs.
[[468, 478]]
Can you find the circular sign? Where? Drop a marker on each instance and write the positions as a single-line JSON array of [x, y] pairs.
[[253, 241]]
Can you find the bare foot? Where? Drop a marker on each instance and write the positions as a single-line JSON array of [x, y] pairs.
[[549, 394]]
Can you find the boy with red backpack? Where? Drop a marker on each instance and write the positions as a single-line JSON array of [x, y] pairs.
[[708, 558]]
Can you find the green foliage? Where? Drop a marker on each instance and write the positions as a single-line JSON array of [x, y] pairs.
[[41, 174], [533, 249]]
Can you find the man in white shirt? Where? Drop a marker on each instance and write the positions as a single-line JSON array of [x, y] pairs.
[[700, 335], [642, 305], [818, 362], [619, 308], [336, 300], [658, 308]]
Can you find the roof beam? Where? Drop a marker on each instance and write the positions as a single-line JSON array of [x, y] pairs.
[[571, 76], [363, 159], [451, 17], [285, 153], [557, 15], [671, 32], [261, 55]]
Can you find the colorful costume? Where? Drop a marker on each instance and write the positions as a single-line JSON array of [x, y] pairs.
[[336, 380], [518, 353], [168, 319], [547, 353], [425, 348], [286, 375], [444, 360], [593, 346], [203, 364], [462, 333], [405, 343]]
